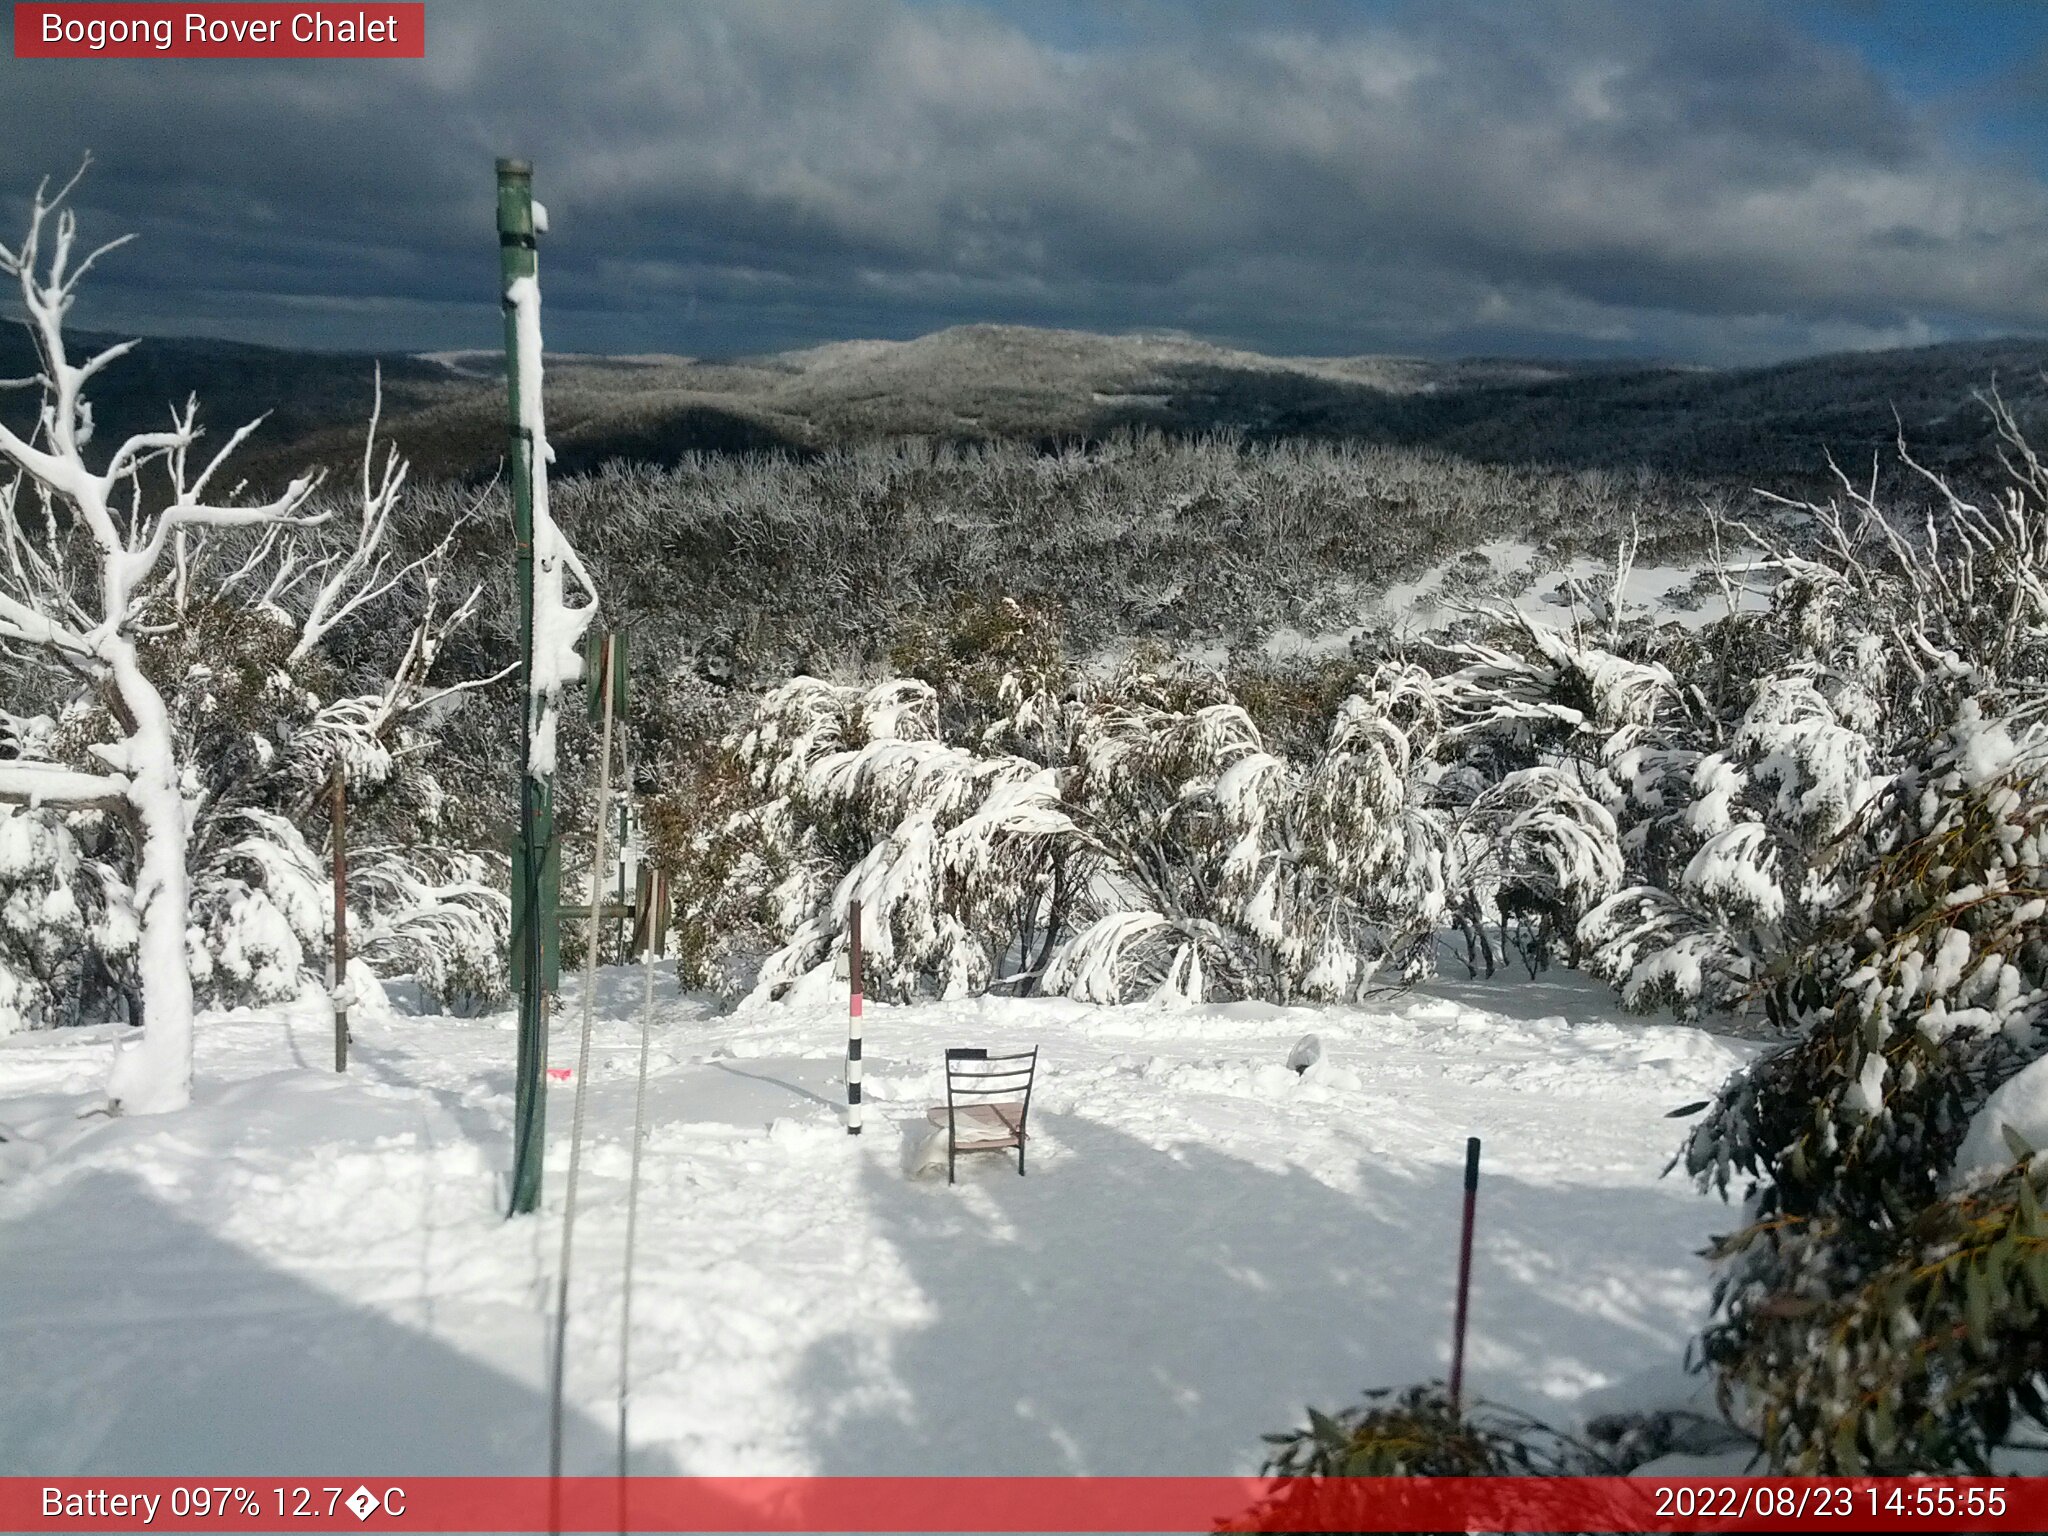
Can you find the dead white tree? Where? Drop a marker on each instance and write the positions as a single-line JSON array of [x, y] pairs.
[[79, 581], [314, 593]]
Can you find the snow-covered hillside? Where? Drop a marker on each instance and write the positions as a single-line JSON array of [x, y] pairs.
[[309, 1272]]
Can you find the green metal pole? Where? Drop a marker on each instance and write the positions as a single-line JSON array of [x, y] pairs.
[[530, 907]]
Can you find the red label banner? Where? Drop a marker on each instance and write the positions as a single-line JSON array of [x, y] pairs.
[[217, 31], [1003, 1504]]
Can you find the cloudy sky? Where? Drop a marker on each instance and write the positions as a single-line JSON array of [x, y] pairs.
[[1714, 182]]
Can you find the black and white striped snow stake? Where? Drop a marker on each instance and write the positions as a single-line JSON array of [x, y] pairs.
[[853, 1019]]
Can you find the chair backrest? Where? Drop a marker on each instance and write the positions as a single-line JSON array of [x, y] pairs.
[[974, 1075]]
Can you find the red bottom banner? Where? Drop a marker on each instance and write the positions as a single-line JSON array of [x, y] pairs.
[[1003, 1504]]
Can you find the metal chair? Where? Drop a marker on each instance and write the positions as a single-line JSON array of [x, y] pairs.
[[974, 1076]]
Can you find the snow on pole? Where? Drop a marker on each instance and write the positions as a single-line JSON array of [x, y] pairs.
[[550, 627], [853, 1019], [558, 623], [1464, 1274], [518, 259]]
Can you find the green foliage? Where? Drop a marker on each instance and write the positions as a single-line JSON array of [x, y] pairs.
[[1916, 993], [1417, 1433], [1906, 1349], [1293, 706], [1872, 1316], [722, 872], [987, 650], [1413, 1433]]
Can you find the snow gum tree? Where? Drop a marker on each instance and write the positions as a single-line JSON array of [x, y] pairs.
[[1885, 1308], [186, 618], [91, 620], [1831, 805]]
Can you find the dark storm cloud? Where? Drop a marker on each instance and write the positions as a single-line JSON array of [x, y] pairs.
[[1699, 180]]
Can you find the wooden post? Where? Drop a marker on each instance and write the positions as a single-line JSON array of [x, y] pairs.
[[606, 691], [625, 831], [650, 911], [1464, 1275], [339, 817], [853, 1020]]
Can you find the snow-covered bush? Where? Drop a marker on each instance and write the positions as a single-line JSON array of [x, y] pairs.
[[1879, 1312], [1734, 805], [996, 663], [1337, 865], [1164, 853], [1666, 808], [262, 908], [1538, 849], [65, 924], [945, 846], [1731, 848], [440, 916]]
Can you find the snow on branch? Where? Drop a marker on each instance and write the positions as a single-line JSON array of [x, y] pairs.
[[37, 784], [362, 574], [109, 502]]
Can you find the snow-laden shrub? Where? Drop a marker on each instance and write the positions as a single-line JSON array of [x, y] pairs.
[[1732, 848], [263, 919], [65, 919], [440, 916], [1157, 756], [1551, 686], [1872, 1315], [1538, 850], [945, 846], [726, 854], [997, 662], [1734, 797], [263, 728], [1338, 865], [262, 909], [1165, 853], [1665, 807]]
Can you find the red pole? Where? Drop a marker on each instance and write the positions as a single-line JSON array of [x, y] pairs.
[[1464, 1275], [853, 1020]]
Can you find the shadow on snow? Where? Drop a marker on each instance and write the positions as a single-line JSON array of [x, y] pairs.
[[1125, 1310]]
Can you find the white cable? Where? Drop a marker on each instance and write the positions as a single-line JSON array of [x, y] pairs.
[[604, 792], [653, 888]]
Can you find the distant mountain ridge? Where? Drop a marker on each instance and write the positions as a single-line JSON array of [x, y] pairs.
[[1769, 424]]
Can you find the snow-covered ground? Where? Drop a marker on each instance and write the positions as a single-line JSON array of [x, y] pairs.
[[308, 1272]]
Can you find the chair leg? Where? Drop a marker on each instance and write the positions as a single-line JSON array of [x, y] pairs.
[[1020, 1159]]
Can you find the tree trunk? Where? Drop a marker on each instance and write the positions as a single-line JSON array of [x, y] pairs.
[[1055, 919], [153, 1074]]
